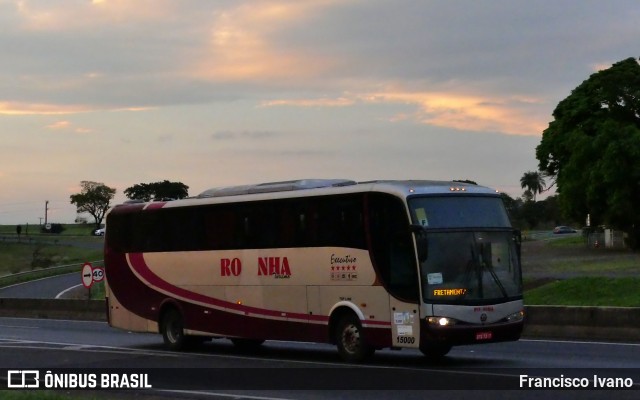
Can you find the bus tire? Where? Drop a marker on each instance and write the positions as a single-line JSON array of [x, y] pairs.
[[172, 329], [435, 351], [244, 344], [349, 337]]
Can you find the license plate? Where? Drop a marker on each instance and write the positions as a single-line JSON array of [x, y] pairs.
[[484, 335]]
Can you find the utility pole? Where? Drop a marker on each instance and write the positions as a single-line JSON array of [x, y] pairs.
[[46, 211]]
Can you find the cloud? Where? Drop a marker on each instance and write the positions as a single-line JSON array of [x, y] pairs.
[[56, 15], [59, 125], [251, 135], [68, 126], [243, 45], [165, 138], [464, 111], [460, 111], [322, 102], [23, 108]]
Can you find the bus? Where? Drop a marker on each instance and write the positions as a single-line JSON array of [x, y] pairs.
[[414, 264]]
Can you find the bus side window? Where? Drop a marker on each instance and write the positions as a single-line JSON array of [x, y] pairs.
[[147, 232], [286, 233], [352, 223], [266, 226], [307, 224]]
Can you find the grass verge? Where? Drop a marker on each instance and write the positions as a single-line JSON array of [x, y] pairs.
[[587, 291], [98, 291], [568, 241], [21, 257]]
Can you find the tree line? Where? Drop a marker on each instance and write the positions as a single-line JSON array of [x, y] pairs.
[[95, 197]]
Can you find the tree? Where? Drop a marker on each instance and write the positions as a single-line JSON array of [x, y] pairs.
[[157, 191], [513, 207], [533, 182], [592, 148], [94, 199]]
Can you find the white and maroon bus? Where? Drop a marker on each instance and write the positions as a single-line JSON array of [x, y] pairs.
[[370, 265]]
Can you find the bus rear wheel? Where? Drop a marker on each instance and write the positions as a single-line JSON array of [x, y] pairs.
[[172, 329], [349, 337]]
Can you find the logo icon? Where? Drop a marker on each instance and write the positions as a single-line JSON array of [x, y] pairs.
[[20, 379]]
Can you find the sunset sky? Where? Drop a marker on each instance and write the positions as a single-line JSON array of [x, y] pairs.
[[230, 92]]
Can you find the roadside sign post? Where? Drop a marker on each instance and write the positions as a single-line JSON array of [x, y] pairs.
[[87, 278], [87, 275], [91, 274]]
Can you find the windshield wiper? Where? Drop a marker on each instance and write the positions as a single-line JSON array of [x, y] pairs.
[[489, 267], [478, 265]]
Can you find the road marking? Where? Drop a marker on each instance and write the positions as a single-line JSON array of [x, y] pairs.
[[67, 290], [215, 394], [36, 280], [55, 346], [33, 345], [20, 326], [165, 353], [580, 342]]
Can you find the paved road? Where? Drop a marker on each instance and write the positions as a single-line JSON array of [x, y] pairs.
[[219, 370], [46, 288]]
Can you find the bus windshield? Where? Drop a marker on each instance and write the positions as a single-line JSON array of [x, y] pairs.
[[471, 266], [459, 212], [472, 250]]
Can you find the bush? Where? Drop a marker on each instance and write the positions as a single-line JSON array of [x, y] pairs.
[[55, 228], [40, 259]]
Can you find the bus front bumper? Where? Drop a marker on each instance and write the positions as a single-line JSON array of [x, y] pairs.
[[470, 334]]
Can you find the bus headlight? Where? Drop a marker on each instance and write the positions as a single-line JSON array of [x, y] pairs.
[[518, 316], [441, 321]]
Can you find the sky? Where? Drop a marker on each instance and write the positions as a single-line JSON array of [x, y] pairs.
[[233, 92]]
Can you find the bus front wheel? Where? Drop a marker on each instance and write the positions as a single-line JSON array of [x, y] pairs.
[[435, 351], [349, 337]]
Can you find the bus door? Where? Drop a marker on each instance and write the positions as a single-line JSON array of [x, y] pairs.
[[404, 290], [405, 323], [392, 248]]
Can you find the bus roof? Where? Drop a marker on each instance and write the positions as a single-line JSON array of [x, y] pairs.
[[334, 186], [320, 187], [270, 187]]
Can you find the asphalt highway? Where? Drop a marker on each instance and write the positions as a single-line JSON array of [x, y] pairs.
[[287, 370], [46, 288]]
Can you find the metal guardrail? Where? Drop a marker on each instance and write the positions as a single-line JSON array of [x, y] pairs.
[[44, 271], [33, 237]]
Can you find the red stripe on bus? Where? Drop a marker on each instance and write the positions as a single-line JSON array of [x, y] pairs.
[[140, 266], [154, 205]]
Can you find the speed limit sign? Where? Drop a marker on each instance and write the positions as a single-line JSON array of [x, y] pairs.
[[91, 274], [98, 274]]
